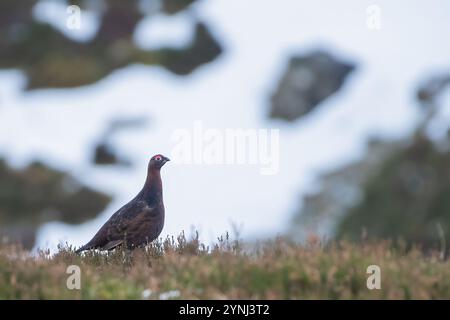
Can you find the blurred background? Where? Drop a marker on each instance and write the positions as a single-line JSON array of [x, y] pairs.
[[358, 90]]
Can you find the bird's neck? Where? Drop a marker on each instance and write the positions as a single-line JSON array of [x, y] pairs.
[[152, 191]]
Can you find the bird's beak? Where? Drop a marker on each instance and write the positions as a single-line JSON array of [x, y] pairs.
[[166, 159]]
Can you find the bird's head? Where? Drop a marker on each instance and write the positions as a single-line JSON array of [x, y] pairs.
[[158, 161]]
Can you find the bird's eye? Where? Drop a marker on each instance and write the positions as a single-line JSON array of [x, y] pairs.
[[158, 158]]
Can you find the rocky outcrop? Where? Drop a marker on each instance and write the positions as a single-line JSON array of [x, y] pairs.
[[50, 59], [38, 194], [308, 81]]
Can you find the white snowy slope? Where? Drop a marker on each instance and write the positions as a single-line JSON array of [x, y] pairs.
[[59, 126]]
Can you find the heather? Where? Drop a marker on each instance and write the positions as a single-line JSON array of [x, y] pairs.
[[180, 268]]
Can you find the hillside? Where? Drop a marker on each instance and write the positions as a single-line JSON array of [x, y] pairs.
[[180, 269]]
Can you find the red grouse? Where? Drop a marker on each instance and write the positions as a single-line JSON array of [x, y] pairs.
[[138, 222]]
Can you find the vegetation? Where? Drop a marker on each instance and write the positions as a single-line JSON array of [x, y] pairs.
[[36, 194], [185, 269], [400, 188], [408, 198], [50, 59]]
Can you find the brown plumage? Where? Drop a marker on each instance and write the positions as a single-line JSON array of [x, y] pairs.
[[138, 222]]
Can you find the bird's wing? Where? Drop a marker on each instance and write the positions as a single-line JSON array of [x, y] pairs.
[[127, 222], [124, 220]]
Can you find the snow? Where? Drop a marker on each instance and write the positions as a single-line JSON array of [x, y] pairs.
[[59, 126], [161, 31]]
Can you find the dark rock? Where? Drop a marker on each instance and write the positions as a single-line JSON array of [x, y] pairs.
[[431, 89], [104, 154], [307, 82], [203, 49], [174, 6]]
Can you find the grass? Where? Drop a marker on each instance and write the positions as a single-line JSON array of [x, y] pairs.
[[186, 269]]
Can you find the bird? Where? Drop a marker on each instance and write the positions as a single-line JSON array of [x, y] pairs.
[[138, 222]]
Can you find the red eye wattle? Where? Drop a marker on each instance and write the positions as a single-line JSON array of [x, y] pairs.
[[158, 158]]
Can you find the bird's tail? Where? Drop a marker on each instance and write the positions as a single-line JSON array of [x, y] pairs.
[[81, 249]]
